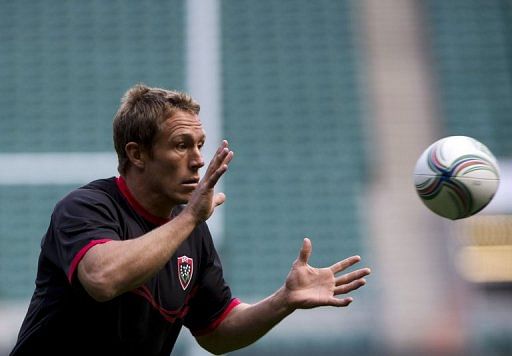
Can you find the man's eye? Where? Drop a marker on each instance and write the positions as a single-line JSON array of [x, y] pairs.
[[181, 146]]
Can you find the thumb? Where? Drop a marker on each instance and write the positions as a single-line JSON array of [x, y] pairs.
[[218, 199], [305, 251]]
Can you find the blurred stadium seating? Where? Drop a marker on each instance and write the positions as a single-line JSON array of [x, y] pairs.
[[292, 114], [294, 101], [472, 63], [63, 70]]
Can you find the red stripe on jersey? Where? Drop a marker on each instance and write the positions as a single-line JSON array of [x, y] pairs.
[[213, 325], [169, 315], [123, 187], [78, 257]]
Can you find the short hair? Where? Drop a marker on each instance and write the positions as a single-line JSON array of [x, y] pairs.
[[140, 114]]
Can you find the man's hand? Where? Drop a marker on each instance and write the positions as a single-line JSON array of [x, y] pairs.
[[307, 287], [203, 201]]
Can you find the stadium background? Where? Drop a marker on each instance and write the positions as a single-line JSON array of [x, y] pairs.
[[327, 105]]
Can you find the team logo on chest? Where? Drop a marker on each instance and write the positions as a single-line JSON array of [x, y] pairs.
[[185, 270]]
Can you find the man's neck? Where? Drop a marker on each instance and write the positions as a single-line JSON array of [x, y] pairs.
[[151, 201]]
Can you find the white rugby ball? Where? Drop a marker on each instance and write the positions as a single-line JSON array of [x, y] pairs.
[[456, 177]]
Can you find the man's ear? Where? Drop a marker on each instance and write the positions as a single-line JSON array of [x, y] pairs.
[[136, 154]]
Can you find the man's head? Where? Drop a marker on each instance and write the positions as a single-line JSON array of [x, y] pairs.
[[142, 112]]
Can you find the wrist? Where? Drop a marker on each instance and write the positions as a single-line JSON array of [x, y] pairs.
[[189, 216], [282, 301]]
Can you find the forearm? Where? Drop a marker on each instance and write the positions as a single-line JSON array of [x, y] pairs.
[[305, 287], [247, 323], [110, 269]]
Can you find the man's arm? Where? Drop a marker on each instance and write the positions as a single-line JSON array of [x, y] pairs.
[[110, 269], [305, 287]]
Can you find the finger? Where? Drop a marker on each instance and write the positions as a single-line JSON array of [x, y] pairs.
[[222, 145], [343, 302], [227, 158], [219, 199], [222, 150], [346, 288], [216, 161], [352, 276], [342, 265], [222, 157], [214, 177], [305, 251]]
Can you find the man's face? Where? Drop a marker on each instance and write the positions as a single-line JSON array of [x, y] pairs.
[[173, 168]]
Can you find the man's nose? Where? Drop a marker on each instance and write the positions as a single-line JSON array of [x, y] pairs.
[[196, 160]]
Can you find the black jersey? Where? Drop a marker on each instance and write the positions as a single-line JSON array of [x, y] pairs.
[[63, 319]]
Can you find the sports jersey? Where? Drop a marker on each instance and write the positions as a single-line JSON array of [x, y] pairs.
[[62, 318]]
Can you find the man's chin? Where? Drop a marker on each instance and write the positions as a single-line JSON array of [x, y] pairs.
[[183, 199]]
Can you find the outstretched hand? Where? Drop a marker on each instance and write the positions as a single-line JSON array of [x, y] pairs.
[[203, 201], [308, 287]]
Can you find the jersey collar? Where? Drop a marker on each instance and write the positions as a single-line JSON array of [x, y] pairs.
[[123, 187]]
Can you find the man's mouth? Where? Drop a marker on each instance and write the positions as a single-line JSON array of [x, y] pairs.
[[192, 182]]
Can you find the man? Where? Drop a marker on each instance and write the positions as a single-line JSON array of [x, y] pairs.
[[127, 261]]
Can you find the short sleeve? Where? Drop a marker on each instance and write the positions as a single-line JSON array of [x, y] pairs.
[[213, 300], [80, 221]]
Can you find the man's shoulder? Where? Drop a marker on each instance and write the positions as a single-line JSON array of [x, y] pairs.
[[94, 202], [105, 184], [97, 191]]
